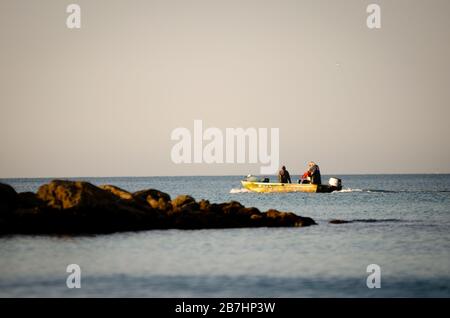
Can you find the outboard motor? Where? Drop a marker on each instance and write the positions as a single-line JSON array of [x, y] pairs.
[[335, 182], [252, 178]]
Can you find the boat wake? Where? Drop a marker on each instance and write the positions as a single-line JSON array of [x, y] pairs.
[[348, 190], [239, 190]]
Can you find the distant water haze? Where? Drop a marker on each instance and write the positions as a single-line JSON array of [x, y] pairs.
[[103, 100]]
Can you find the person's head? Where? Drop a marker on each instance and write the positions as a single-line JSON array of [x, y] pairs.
[[311, 164], [283, 168]]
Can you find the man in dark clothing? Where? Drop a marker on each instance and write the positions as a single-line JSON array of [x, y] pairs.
[[313, 172], [283, 176]]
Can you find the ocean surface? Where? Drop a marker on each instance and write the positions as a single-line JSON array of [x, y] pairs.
[[401, 223]]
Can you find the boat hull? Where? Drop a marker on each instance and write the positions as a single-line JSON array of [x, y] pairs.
[[266, 187]]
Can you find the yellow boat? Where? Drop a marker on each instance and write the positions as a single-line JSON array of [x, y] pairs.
[[269, 187]]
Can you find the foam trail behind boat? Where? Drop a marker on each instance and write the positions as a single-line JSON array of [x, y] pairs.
[[239, 190]]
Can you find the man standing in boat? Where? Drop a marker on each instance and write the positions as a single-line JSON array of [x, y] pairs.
[[313, 173], [283, 176]]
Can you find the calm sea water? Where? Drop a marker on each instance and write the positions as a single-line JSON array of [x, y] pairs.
[[402, 223]]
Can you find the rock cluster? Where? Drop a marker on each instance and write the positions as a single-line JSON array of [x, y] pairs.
[[76, 207]]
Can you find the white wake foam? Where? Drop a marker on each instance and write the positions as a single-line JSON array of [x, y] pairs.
[[239, 190], [349, 190]]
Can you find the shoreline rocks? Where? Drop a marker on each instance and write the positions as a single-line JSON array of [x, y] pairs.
[[76, 207]]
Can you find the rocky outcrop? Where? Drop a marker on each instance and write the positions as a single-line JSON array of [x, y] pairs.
[[74, 207], [123, 194], [153, 198], [8, 199]]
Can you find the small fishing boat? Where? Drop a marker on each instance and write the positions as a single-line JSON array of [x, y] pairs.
[[264, 186]]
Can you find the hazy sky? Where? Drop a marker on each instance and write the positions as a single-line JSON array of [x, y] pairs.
[[103, 100]]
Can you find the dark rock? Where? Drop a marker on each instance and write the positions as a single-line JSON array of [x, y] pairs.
[[185, 204], [339, 221], [26, 200], [122, 194], [277, 218], [8, 199], [8, 204], [204, 205], [231, 208], [80, 207], [182, 200], [77, 195], [154, 198]]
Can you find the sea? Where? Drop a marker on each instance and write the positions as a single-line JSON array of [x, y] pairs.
[[396, 245]]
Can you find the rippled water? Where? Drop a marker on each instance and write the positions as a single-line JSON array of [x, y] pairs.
[[401, 223]]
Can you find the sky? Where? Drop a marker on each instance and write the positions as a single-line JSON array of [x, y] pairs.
[[104, 99]]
